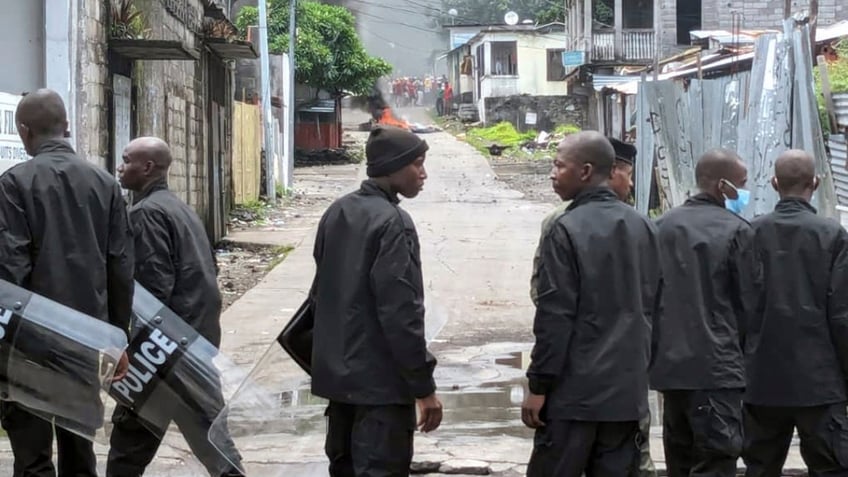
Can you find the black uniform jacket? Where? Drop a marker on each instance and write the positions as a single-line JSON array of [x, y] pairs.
[[64, 234], [712, 291], [796, 352], [599, 284], [369, 346], [174, 260]]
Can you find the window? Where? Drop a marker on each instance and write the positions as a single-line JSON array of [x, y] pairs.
[[639, 14], [556, 72], [688, 19], [504, 58]]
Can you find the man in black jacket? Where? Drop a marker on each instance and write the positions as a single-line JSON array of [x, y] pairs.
[[797, 349], [369, 354], [63, 235], [710, 272], [176, 263], [599, 280]]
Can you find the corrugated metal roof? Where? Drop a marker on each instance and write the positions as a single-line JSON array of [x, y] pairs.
[[840, 102], [320, 106], [838, 164], [832, 32]]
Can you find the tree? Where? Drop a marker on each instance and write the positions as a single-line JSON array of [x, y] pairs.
[[493, 11], [328, 53]]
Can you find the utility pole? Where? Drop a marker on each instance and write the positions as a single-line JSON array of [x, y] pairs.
[[814, 21], [787, 9], [289, 180], [267, 122]]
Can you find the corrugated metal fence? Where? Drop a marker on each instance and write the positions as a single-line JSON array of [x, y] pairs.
[[759, 114]]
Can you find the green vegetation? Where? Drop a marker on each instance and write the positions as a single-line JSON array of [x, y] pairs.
[[566, 129], [329, 54], [837, 72], [251, 210], [280, 254], [502, 134]]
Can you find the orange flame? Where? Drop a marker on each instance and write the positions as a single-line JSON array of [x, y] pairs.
[[389, 119]]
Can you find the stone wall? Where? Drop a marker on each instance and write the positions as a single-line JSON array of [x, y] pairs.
[[551, 111], [92, 132]]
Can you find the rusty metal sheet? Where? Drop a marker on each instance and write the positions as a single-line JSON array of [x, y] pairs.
[[839, 166]]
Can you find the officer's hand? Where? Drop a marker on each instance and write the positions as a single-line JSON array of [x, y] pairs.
[[531, 410], [429, 413], [122, 367]]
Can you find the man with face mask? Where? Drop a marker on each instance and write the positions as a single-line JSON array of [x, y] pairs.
[[599, 281], [369, 356], [797, 349], [712, 292]]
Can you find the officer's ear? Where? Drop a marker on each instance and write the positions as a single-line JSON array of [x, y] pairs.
[[816, 183], [774, 184]]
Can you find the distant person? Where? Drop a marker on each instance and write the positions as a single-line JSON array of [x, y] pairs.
[[712, 293], [448, 95], [599, 279], [370, 357], [797, 349], [64, 235]]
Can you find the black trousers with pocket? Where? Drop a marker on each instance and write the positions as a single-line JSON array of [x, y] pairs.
[[597, 449], [31, 438], [823, 431], [702, 432], [369, 441]]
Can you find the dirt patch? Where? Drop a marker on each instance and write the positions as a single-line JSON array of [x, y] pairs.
[[241, 267], [530, 178]]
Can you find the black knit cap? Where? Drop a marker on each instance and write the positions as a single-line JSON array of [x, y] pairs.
[[623, 152], [390, 149]]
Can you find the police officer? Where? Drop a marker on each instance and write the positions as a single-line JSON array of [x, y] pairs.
[[797, 349], [710, 272], [63, 235], [599, 278], [176, 263], [369, 354]]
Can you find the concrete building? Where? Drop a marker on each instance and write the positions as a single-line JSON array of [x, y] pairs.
[[168, 73]]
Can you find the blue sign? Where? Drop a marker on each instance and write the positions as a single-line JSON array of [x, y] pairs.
[[459, 39], [571, 59]]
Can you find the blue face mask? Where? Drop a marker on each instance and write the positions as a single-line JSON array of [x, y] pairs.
[[737, 205]]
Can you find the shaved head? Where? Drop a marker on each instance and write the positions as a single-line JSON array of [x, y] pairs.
[[590, 147], [152, 149], [717, 165], [795, 174], [146, 160], [41, 116]]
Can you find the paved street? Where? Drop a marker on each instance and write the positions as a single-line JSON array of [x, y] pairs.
[[477, 241]]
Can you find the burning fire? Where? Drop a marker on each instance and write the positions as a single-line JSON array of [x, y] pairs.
[[389, 119]]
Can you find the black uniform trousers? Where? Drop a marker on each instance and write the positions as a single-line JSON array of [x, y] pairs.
[[133, 446], [599, 449], [824, 439], [702, 432], [31, 438], [369, 441]]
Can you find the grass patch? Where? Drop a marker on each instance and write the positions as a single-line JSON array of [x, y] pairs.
[[280, 253], [566, 129], [502, 134]]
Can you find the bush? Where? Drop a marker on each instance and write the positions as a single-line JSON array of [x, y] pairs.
[[503, 134], [837, 72]]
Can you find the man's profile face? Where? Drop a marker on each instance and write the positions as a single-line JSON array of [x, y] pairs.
[[621, 179], [567, 174], [409, 181], [132, 171]]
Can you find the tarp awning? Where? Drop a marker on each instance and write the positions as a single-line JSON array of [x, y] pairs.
[[142, 49]]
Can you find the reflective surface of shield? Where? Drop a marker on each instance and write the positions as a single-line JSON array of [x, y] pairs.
[[54, 360], [275, 409], [178, 377]]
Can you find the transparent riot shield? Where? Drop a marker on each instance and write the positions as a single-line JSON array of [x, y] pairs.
[[177, 376], [55, 361], [282, 415]]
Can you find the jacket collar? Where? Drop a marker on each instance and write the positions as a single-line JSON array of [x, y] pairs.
[[54, 145], [794, 204], [161, 184], [704, 199], [592, 194], [370, 187]]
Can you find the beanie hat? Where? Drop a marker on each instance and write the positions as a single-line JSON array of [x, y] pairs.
[[623, 152], [390, 149]]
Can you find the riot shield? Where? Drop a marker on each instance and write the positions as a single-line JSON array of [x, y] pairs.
[[55, 361], [282, 413], [177, 376]]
